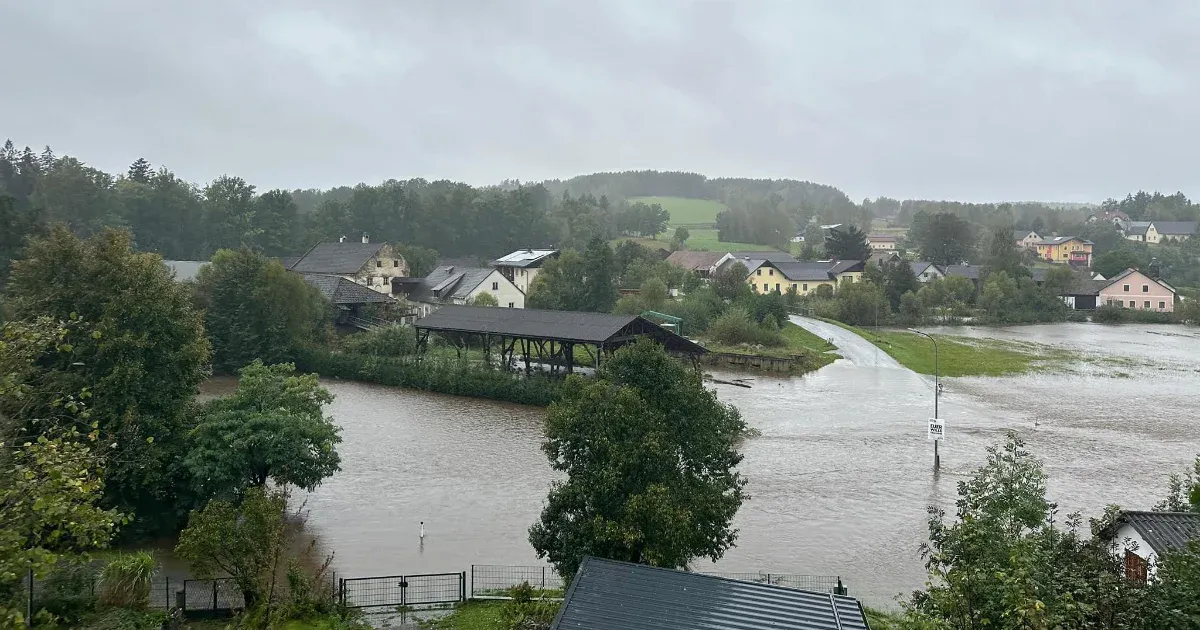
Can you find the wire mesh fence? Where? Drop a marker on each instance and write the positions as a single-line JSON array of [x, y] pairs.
[[219, 597], [403, 590], [819, 583], [493, 581]]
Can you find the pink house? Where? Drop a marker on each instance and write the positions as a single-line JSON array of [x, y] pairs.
[[1134, 289]]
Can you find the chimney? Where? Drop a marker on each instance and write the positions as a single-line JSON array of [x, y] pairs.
[[342, 239], [450, 269], [365, 239]]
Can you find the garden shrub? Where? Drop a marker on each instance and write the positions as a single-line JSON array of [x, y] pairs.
[[125, 581], [736, 327]]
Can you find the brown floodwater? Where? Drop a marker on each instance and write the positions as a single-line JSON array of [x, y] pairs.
[[840, 474]]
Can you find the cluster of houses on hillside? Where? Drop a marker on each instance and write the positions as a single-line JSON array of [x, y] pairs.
[[1148, 231]]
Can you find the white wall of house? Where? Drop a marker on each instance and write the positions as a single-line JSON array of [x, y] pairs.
[[1126, 531], [930, 274], [523, 278], [507, 294]]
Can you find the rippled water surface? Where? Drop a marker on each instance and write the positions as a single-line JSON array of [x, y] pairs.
[[840, 476]]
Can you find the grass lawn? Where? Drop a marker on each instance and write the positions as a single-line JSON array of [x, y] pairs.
[[473, 615], [963, 356], [705, 240], [686, 211], [799, 342]]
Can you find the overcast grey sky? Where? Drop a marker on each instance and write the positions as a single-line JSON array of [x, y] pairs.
[[960, 100]]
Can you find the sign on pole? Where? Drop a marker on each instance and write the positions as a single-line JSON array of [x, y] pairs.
[[937, 429]]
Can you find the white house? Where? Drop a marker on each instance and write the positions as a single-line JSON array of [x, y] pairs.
[[370, 264], [926, 271], [1141, 537], [523, 265], [461, 285], [1025, 238]]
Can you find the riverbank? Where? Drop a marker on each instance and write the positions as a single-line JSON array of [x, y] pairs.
[[805, 351], [963, 356]]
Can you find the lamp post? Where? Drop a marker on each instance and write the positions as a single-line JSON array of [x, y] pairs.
[[937, 391]]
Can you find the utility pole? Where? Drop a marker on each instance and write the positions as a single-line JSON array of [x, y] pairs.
[[937, 392]]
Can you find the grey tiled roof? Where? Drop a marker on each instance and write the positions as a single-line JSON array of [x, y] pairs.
[[806, 271], [449, 282], [342, 291], [1164, 531], [693, 261], [771, 255], [1138, 227], [919, 268], [336, 258], [1176, 227], [842, 266], [610, 595], [966, 271]]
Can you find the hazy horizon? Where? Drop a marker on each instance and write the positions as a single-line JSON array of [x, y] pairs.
[[979, 101]]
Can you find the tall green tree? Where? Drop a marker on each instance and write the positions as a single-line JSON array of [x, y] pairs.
[[272, 428], [1114, 262], [228, 213], [559, 286], [600, 277], [140, 171], [1003, 255], [942, 238], [255, 309], [274, 223], [142, 365], [729, 282], [650, 458], [847, 243], [898, 279]]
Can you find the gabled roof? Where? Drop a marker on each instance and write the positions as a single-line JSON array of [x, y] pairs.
[[695, 261], [1019, 235], [970, 272], [770, 254], [882, 238], [1173, 228], [336, 258], [750, 265], [806, 271], [1163, 531], [611, 595], [921, 267], [526, 258], [450, 282], [1138, 227], [1128, 272], [342, 291], [844, 266], [185, 270], [1059, 240]]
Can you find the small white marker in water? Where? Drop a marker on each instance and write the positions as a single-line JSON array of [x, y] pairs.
[[422, 530]]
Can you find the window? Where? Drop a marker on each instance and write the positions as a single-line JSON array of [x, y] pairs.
[[378, 263], [758, 272], [1146, 304], [1135, 567], [1145, 288], [1126, 288], [770, 272], [777, 288], [522, 272], [805, 286], [395, 263], [1162, 305], [510, 305], [1120, 302], [495, 286]]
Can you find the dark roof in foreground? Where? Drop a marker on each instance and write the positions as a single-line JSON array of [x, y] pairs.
[[342, 291], [610, 595], [336, 258], [1163, 531], [964, 271], [569, 326]]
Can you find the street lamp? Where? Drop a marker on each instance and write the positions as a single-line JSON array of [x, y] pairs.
[[937, 390]]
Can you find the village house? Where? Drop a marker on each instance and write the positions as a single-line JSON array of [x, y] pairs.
[[802, 277], [1026, 238], [451, 284], [703, 264], [372, 265], [1134, 289], [926, 271], [1140, 538], [1116, 217], [1155, 232], [1071, 250], [351, 299], [878, 258], [881, 242], [523, 265]]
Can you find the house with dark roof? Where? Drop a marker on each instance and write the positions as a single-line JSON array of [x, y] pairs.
[[703, 264], [926, 271], [970, 272], [372, 265], [1025, 238], [611, 595], [1140, 538], [453, 284], [1136, 290], [1159, 231], [802, 277], [772, 255], [523, 265], [348, 297]]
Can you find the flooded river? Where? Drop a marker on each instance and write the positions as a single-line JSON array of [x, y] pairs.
[[840, 476]]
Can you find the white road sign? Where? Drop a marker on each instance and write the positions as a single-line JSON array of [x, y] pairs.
[[937, 429]]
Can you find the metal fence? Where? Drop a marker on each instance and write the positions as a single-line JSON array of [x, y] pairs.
[[819, 583], [403, 590], [493, 581], [213, 598]]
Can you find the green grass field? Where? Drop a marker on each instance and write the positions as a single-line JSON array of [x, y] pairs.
[[964, 356], [685, 211]]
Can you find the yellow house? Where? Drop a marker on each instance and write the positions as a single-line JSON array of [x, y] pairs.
[[802, 277], [1071, 250]]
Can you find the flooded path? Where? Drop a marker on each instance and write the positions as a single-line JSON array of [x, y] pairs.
[[840, 476]]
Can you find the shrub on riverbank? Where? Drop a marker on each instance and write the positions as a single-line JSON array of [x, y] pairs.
[[736, 327], [444, 376], [1118, 315]]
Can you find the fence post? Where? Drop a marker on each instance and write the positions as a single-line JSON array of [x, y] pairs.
[[167, 594], [543, 581], [462, 587], [29, 602], [342, 591], [840, 589], [214, 595], [472, 581]]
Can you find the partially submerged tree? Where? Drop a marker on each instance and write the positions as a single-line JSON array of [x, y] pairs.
[[650, 460], [272, 428]]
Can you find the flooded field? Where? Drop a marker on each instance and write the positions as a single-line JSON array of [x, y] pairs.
[[840, 476]]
